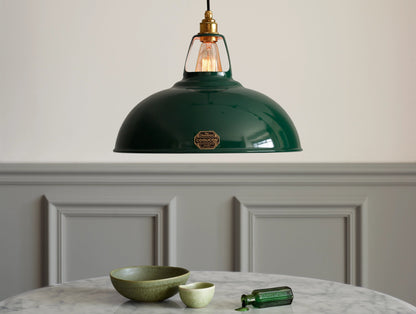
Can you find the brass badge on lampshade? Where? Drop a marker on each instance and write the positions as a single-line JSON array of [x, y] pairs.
[[206, 140]]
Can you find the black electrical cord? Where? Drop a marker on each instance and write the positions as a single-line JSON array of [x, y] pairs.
[[208, 8]]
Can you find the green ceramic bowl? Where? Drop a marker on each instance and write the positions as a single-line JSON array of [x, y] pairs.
[[148, 283], [197, 294]]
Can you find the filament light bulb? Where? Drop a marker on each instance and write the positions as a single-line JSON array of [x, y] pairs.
[[209, 55], [208, 58]]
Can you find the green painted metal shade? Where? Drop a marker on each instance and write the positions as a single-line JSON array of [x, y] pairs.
[[207, 112]]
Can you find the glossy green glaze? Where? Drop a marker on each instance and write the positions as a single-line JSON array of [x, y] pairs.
[[245, 121]]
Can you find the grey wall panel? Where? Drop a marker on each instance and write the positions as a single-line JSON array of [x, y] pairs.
[[90, 237], [321, 237], [59, 221]]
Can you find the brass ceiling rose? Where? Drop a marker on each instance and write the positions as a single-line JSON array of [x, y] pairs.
[[206, 140]]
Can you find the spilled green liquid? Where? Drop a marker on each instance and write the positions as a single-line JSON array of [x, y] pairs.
[[242, 309]]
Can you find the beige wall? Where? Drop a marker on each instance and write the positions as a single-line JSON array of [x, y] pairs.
[[344, 70]]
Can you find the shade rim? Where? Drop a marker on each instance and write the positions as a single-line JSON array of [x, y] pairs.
[[201, 152]]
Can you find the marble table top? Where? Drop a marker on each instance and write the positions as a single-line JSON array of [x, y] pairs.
[[97, 295]]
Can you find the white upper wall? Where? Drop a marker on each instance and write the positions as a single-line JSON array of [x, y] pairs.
[[71, 70]]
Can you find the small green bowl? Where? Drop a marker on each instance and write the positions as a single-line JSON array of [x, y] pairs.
[[148, 283], [197, 294]]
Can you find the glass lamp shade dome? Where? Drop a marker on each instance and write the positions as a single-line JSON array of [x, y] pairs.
[[207, 112]]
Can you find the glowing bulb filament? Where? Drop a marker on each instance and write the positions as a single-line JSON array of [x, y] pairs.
[[208, 58]]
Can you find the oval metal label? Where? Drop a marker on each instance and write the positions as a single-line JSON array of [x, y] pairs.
[[206, 140]]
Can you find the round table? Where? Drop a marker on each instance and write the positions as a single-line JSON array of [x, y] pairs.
[[97, 295]]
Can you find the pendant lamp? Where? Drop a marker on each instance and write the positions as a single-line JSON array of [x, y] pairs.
[[207, 111]]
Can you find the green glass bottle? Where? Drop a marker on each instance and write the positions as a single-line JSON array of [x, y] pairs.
[[268, 297]]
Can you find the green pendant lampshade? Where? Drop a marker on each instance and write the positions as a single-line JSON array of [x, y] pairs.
[[207, 111]]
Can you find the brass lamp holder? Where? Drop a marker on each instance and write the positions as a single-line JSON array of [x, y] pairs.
[[208, 26]]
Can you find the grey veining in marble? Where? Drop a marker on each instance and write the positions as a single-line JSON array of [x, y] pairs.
[[310, 296]]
